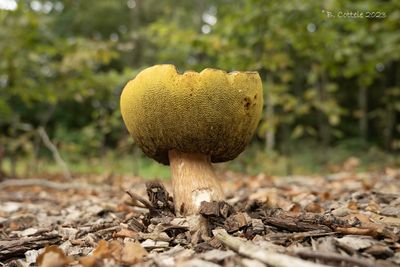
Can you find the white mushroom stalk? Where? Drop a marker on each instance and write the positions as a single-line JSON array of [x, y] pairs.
[[193, 181]]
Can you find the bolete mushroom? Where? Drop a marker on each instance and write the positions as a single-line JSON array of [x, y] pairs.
[[190, 120]]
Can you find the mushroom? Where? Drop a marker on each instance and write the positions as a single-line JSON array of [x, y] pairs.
[[191, 120]]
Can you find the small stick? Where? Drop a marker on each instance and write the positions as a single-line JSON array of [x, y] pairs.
[[356, 231], [327, 256], [17, 248], [145, 202], [254, 252], [301, 235], [56, 155], [96, 228]]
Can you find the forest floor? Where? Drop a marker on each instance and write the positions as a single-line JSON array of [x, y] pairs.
[[341, 219]]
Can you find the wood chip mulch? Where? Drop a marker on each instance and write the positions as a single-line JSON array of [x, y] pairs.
[[343, 219]]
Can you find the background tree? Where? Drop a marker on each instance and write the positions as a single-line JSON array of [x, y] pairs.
[[328, 81]]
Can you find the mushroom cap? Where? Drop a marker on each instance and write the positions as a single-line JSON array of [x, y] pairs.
[[211, 112]]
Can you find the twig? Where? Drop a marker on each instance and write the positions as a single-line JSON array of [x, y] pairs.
[[299, 235], [327, 256], [356, 231], [294, 222], [108, 230], [45, 183], [17, 248], [97, 228], [142, 200], [56, 155], [302, 222], [252, 251]]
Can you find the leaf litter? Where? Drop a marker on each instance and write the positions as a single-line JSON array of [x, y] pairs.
[[346, 219]]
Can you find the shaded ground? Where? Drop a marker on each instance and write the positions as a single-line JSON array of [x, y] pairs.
[[346, 219]]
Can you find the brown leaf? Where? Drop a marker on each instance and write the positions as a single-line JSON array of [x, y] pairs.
[[115, 248], [314, 208], [53, 257], [373, 206], [89, 261], [364, 219], [393, 221], [295, 207], [108, 250], [126, 233], [352, 205], [102, 250], [132, 253], [128, 253]]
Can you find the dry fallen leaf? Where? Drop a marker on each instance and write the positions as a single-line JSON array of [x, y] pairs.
[[128, 253], [393, 221], [314, 207], [295, 207], [89, 261], [132, 253], [126, 233], [52, 257], [352, 205], [102, 250], [115, 248], [373, 206]]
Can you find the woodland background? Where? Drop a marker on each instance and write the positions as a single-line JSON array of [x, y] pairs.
[[332, 85]]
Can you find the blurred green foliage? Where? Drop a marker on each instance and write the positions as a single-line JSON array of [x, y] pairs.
[[63, 64]]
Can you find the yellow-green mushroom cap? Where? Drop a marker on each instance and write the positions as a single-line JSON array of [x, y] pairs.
[[211, 112]]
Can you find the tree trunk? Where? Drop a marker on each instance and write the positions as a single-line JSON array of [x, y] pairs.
[[324, 131], [363, 106], [323, 123], [135, 25], [270, 135], [200, 8], [13, 164], [269, 117], [390, 121], [2, 153], [390, 112]]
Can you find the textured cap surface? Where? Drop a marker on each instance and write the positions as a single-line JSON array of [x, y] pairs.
[[211, 112]]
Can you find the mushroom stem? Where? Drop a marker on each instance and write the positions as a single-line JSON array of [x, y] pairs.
[[193, 181]]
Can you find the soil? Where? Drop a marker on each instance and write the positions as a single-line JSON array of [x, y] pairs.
[[342, 219]]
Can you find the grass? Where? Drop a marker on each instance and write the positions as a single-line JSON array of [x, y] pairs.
[[310, 158], [109, 163], [304, 159]]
